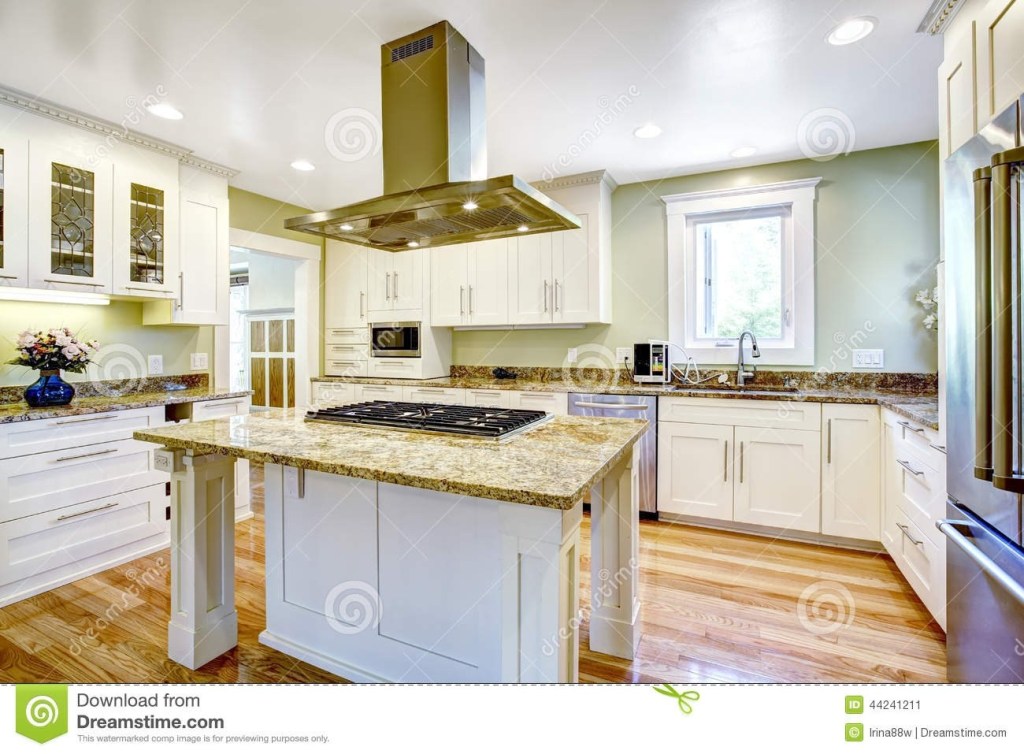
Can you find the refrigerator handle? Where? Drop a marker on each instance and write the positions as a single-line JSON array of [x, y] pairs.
[[983, 324], [984, 562], [1004, 312]]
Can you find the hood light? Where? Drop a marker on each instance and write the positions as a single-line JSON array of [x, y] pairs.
[[470, 206], [413, 244], [523, 228], [346, 227]]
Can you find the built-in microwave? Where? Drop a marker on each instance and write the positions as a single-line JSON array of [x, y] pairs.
[[395, 340]]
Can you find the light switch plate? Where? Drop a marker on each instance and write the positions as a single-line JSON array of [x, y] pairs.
[[622, 354], [200, 361], [573, 356], [868, 358], [155, 363]]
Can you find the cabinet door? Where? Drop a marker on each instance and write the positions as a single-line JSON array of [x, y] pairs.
[[203, 277], [13, 212], [999, 31], [851, 461], [379, 265], [407, 283], [448, 283], [778, 478], [574, 271], [487, 398], [958, 113], [70, 216], [529, 276], [344, 285], [891, 488], [695, 469], [146, 230], [487, 300]]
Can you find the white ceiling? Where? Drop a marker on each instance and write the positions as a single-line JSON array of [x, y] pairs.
[[258, 80]]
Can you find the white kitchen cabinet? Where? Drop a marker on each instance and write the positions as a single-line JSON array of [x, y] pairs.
[[334, 393], [850, 471], [449, 278], [575, 271], [70, 208], [999, 29], [345, 285], [529, 279], [958, 102], [14, 195], [146, 226], [778, 477], [695, 476], [395, 285], [365, 393], [469, 284], [552, 403], [488, 398]]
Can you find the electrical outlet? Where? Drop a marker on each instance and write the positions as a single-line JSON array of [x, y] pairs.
[[572, 356], [868, 358], [155, 364], [200, 361], [622, 355]]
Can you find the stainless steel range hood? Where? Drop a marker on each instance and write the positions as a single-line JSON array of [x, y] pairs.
[[435, 158]]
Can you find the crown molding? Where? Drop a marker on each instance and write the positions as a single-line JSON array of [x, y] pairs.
[[939, 15], [120, 132], [766, 188], [592, 178]]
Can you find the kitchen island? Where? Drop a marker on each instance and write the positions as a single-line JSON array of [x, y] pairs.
[[405, 556]]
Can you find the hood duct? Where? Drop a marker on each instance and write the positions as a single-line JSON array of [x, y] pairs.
[[435, 158]]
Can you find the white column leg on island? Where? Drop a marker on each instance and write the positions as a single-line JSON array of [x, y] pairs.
[[614, 561], [204, 624]]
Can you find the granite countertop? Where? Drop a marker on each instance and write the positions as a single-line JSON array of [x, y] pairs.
[[553, 465], [920, 407], [95, 404]]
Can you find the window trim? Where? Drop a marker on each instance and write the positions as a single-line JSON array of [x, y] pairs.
[[682, 209]]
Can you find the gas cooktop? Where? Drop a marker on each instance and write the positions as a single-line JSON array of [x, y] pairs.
[[473, 421]]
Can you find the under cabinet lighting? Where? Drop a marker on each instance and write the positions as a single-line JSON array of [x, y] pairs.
[[36, 295]]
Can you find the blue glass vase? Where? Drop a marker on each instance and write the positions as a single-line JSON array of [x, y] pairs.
[[49, 390]]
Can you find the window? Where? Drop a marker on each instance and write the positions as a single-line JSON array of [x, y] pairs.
[[743, 259]]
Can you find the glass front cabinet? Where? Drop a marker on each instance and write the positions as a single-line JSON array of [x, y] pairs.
[[13, 213], [146, 230]]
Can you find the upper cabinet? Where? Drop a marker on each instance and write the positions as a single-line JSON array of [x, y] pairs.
[[469, 284], [395, 282], [145, 256], [13, 211], [958, 110], [345, 303], [999, 30]]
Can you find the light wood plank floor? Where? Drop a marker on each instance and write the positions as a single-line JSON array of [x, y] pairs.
[[717, 607]]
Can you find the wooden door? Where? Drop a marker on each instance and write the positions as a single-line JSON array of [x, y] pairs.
[[272, 360]]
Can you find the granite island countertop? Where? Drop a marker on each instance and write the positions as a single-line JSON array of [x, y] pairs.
[[98, 404], [553, 465]]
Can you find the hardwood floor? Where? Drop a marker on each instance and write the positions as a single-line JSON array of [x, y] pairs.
[[717, 607]]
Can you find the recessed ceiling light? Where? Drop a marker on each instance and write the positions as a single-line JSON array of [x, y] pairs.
[[304, 165], [412, 244], [647, 131], [852, 30], [740, 152], [165, 110], [346, 227], [523, 228], [469, 206]]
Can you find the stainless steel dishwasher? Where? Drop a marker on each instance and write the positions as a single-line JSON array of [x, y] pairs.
[[629, 407]]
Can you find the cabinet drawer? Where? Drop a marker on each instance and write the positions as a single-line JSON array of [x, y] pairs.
[[47, 541], [41, 435], [923, 440], [401, 368], [921, 488], [334, 393], [487, 398], [741, 412], [347, 351], [448, 395], [47, 481], [342, 335], [553, 403], [345, 368], [378, 393], [923, 563], [204, 410]]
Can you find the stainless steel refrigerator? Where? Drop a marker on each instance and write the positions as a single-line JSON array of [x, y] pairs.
[[984, 404]]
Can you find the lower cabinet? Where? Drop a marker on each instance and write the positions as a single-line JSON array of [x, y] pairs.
[[695, 475], [553, 403], [850, 471], [778, 476]]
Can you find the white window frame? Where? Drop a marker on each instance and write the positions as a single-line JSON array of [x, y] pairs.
[[683, 211]]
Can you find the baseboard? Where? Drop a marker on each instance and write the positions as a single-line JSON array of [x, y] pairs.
[[811, 538], [343, 670]]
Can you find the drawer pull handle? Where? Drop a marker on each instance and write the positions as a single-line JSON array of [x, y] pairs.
[[144, 288], [940, 448], [909, 468], [85, 455], [908, 535], [911, 427], [73, 282], [83, 421], [66, 516], [218, 403]]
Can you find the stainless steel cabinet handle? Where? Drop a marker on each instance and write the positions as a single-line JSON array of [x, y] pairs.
[[908, 535], [387, 286], [911, 427], [471, 300], [829, 449], [983, 561], [617, 406], [725, 463], [211, 404], [462, 299], [555, 296], [362, 304], [983, 324], [85, 455], [8, 277], [909, 468], [940, 448], [545, 295], [88, 419], [394, 281], [430, 390], [73, 282], [66, 516], [741, 463], [147, 288], [181, 290]]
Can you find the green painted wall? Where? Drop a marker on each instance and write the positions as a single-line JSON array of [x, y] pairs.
[[125, 342], [877, 244], [261, 214]]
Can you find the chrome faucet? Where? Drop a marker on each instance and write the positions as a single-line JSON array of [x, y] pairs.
[[741, 374]]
